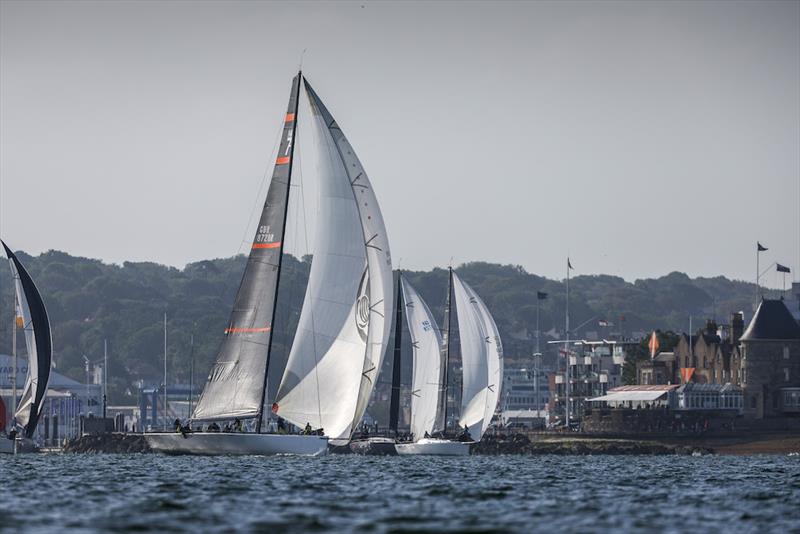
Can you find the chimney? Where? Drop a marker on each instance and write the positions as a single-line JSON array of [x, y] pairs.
[[737, 327], [711, 327]]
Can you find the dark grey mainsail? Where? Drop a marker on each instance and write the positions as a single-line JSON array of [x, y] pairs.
[[237, 382], [30, 311]]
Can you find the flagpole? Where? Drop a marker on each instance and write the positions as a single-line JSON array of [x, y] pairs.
[[758, 271], [566, 350], [539, 354]]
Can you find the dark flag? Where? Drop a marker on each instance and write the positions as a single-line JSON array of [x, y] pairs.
[[541, 295], [782, 268], [569, 265], [761, 248]]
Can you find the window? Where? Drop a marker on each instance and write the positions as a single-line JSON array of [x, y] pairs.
[[785, 374], [786, 352]]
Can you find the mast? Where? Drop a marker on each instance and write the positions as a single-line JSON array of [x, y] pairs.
[[14, 353], [191, 372], [105, 378], [449, 311], [166, 415], [288, 153], [394, 404]]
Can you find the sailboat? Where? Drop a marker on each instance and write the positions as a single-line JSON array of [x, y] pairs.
[[342, 332], [482, 364], [30, 316]]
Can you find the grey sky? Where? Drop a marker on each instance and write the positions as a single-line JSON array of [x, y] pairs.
[[639, 137]]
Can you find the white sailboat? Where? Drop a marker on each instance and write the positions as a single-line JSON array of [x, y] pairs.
[[342, 333], [31, 316], [481, 354], [427, 380]]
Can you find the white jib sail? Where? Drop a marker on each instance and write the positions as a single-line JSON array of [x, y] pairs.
[[344, 325], [481, 353], [426, 342], [23, 411]]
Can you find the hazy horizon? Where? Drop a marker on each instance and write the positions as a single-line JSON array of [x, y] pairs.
[[640, 139]]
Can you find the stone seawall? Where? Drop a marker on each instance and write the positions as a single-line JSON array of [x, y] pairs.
[[521, 444], [108, 444]]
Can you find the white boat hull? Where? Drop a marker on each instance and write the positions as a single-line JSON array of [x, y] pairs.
[[219, 443], [434, 447]]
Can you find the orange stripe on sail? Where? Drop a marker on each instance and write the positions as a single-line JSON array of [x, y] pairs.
[[267, 245], [289, 117], [246, 330], [283, 160]]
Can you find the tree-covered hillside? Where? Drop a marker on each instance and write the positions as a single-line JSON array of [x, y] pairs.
[[90, 301]]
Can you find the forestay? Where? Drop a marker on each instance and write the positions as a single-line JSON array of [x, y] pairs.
[[235, 386], [32, 315], [481, 355], [426, 342], [344, 326]]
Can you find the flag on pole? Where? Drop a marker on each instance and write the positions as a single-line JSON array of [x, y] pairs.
[[782, 268], [603, 322], [760, 247], [569, 265], [541, 295], [653, 345], [686, 374]]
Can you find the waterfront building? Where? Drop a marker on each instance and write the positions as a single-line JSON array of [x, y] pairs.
[[715, 353], [657, 371], [770, 367], [525, 396], [594, 368], [66, 402]]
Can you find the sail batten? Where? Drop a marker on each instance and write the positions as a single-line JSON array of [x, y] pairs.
[[236, 385], [36, 325], [344, 327]]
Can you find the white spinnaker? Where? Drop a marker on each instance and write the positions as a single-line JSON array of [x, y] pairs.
[[480, 357], [23, 411], [426, 381], [494, 358], [344, 327]]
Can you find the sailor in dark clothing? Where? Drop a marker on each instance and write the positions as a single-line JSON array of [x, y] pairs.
[[308, 430], [237, 425], [213, 427], [177, 425]]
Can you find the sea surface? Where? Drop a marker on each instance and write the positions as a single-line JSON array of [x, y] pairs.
[[150, 493]]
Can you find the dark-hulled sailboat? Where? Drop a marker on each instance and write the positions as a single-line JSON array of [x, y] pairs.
[[342, 333], [30, 315]]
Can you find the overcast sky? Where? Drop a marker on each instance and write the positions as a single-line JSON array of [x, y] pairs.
[[640, 138]]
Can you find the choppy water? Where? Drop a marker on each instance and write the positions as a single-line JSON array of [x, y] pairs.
[[46, 493]]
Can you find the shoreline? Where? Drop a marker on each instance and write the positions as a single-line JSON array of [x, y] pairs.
[[779, 443]]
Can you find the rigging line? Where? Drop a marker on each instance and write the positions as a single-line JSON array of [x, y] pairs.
[[273, 155]]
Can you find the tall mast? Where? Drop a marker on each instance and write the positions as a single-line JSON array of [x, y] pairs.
[[394, 404], [291, 140], [449, 311], [566, 349], [14, 353]]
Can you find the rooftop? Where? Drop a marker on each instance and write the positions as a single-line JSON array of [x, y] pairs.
[[772, 321]]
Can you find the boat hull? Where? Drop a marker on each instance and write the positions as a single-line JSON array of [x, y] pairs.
[[224, 443], [433, 447], [23, 445], [374, 447]]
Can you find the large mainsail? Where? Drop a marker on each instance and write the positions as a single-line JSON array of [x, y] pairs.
[[426, 342], [36, 325], [481, 357], [236, 384], [344, 326]]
